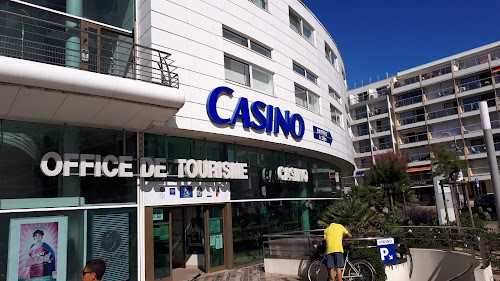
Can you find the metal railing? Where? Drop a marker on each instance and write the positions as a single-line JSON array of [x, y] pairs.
[[49, 42], [414, 138], [412, 119], [479, 127], [442, 113], [407, 81], [479, 171], [380, 110], [383, 92], [472, 62], [382, 128], [420, 157], [360, 133], [409, 101], [495, 56], [436, 73], [446, 133], [440, 93], [382, 146], [360, 115], [365, 165], [475, 105], [362, 149], [474, 149], [474, 85]]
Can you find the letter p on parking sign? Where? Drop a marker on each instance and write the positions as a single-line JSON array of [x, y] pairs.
[[386, 250]]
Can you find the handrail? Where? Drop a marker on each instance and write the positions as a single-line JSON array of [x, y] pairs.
[[363, 149], [83, 49]]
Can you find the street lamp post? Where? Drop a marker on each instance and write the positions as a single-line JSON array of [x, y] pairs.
[[490, 150]]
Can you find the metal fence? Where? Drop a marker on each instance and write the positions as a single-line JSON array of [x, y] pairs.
[[106, 52]]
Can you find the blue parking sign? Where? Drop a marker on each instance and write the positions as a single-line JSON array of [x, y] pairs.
[[386, 250]]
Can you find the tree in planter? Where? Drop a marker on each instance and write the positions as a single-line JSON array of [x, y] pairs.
[[389, 172], [448, 165]]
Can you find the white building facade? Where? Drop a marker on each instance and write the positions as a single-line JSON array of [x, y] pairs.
[[159, 135]]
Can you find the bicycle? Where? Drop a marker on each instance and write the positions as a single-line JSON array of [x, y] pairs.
[[357, 270]]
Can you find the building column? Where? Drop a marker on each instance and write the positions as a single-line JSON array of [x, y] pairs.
[[73, 55], [303, 209]]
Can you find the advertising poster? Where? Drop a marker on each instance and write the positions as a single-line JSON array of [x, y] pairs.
[[38, 249]]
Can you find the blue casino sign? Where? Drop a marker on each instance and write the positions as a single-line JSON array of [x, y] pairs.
[[265, 117]]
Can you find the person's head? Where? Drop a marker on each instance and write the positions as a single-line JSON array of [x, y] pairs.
[[38, 235], [94, 270]]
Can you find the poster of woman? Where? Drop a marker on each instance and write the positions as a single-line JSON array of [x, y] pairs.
[[37, 249]]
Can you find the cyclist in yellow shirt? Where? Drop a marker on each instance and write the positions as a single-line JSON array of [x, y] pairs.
[[334, 250]]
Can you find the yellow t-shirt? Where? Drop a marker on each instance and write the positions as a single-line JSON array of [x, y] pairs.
[[333, 236]]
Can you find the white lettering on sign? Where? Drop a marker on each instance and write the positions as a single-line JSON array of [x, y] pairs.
[[112, 166], [384, 252], [292, 174]]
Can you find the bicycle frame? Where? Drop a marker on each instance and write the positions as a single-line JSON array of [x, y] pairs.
[[346, 263]]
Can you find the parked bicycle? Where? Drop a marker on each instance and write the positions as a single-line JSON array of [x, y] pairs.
[[356, 270]]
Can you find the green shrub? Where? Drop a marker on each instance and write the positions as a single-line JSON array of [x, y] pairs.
[[492, 243], [370, 254]]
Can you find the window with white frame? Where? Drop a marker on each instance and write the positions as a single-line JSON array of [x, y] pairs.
[[336, 116], [334, 94], [305, 72], [246, 42], [307, 99], [248, 75], [260, 3], [300, 26], [330, 56]]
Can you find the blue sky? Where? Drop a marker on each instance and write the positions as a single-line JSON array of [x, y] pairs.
[[375, 37]]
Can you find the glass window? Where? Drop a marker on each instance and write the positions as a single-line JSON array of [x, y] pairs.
[[295, 23], [236, 71], [311, 77], [300, 96], [308, 32], [234, 37], [327, 52], [313, 102], [260, 3], [299, 70], [336, 115], [262, 80], [258, 48]]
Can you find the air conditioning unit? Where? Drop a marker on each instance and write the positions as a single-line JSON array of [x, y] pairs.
[[372, 97], [375, 148]]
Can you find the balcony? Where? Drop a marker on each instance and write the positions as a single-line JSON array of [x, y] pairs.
[[411, 119], [474, 85], [421, 179], [439, 93], [381, 128], [382, 146], [406, 84], [436, 73], [33, 39], [446, 133], [476, 149], [477, 129], [360, 133], [475, 105], [472, 62], [414, 138], [477, 171], [409, 101], [358, 98], [362, 149], [442, 113], [361, 115], [420, 157], [379, 110]]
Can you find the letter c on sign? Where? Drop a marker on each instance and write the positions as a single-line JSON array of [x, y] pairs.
[[44, 164], [212, 104]]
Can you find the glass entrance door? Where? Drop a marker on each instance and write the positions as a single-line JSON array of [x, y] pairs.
[[216, 238], [158, 244]]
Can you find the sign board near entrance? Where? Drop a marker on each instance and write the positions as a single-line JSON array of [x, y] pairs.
[[386, 250], [186, 192]]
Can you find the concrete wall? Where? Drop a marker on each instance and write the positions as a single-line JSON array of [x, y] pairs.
[[437, 265]]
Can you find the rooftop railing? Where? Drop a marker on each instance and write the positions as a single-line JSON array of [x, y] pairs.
[[472, 62], [409, 101], [436, 73], [474, 85], [412, 119], [414, 138], [440, 93], [446, 133], [442, 113], [29, 38]]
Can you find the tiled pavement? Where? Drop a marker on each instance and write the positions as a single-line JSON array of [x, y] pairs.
[[249, 273]]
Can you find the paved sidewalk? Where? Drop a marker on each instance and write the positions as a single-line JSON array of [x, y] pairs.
[[249, 273]]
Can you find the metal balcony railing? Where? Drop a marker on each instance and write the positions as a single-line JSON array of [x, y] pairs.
[[409, 101], [440, 93], [474, 85], [436, 73], [479, 171], [379, 110], [420, 157], [382, 146], [472, 62], [475, 105], [360, 133], [412, 119], [442, 113], [360, 115], [495, 56], [382, 128], [407, 81], [446, 133], [362, 149], [29, 38], [414, 138], [474, 149]]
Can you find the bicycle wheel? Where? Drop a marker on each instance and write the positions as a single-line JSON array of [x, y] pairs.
[[317, 271], [361, 271]]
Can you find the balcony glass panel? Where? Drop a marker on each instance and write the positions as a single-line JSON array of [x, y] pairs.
[[360, 116], [359, 133], [472, 62], [421, 179], [495, 55], [382, 146], [436, 73], [409, 101], [480, 171], [446, 133], [382, 128], [380, 110], [420, 157], [474, 85], [414, 138], [477, 149], [442, 113], [440, 93], [412, 119], [362, 149], [475, 105]]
